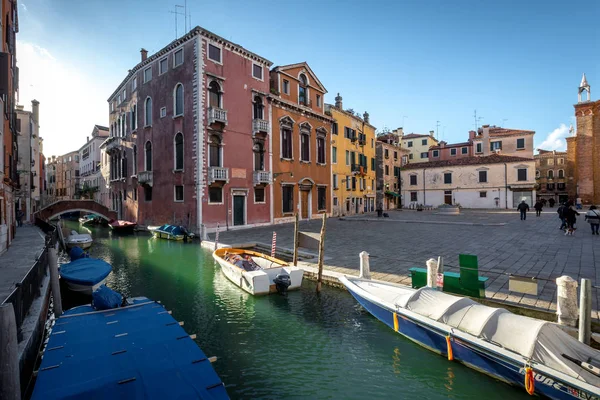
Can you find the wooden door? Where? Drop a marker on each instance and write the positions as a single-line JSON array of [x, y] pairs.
[[239, 211], [304, 203], [448, 197]]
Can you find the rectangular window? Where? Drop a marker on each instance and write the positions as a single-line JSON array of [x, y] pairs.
[[410, 156], [413, 180], [335, 181], [124, 94], [561, 161], [409, 144], [163, 112], [425, 155], [478, 148], [353, 183], [335, 201], [413, 196], [495, 146], [395, 155], [386, 153], [452, 152], [178, 192], [482, 194], [148, 74], [178, 58], [321, 150], [119, 100], [257, 71], [287, 193], [436, 153], [464, 150], [347, 157], [215, 195], [522, 174], [387, 170], [373, 164], [334, 128], [148, 193], [448, 178], [134, 83], [318, 100], [396, 171], [286, 88], [163, 65], [259, 194], [286, 144], [334, 155], [550, 186], [321, 198], [520, 144], [483, 177], [551, 161], [304, 147], [348, 183], [424, 142], [214, 53]]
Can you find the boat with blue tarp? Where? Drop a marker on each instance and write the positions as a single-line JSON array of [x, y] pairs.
[[172, 232], [85, 274], [134, 352]]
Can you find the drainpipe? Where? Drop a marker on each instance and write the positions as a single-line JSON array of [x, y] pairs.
[[424, 196], [505, 189]]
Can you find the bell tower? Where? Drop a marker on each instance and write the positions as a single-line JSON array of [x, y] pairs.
[[584, 89]]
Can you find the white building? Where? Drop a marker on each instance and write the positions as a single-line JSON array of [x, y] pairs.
[[91, 180], [493, 181], [27, 197]]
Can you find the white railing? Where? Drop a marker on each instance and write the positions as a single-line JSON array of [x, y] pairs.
[[145, 177], [262, 177], [217, 115], [217, 174], [260, 125]]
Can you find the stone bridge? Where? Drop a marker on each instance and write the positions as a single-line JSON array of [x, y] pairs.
[[64, 206]]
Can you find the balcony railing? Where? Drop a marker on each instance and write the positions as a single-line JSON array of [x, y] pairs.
[[261, 177], [115, 143], [216, 174], [260, 125], [145, 178], [217, 115], [353, 138]]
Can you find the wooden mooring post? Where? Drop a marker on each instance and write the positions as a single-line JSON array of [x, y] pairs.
[[585, 311], [54, 281], [10, 381], [321, 254], [295, 260]]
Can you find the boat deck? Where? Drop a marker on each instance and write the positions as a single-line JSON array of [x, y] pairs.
[[138, 351]]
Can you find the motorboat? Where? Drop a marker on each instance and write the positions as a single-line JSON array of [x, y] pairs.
[[121, 226], [90, 219], [83, 240], [172, 232], [536, 355], [85, 274], [258, 273]]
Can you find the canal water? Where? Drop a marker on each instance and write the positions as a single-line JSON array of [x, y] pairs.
[[303, 346]]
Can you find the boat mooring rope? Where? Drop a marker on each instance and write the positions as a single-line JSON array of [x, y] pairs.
[[529, 381], [449, 345]]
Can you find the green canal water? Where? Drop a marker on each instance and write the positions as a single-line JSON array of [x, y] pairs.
[[303, 346]]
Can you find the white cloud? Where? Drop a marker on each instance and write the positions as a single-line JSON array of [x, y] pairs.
[[24, 7], [556, 139], [70, 103]]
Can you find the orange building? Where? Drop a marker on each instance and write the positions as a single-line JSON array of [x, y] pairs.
[[300, 144]]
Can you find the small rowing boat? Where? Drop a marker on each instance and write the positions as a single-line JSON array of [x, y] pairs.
[[537, 355], [121, 226], [258, 273], [84, 275]]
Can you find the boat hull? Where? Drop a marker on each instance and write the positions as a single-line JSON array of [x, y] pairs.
[[259, 283], [83, 245], [469, 354], [168, 236], [84, 289]]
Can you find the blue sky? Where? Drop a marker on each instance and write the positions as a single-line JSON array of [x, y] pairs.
[[518, 63]]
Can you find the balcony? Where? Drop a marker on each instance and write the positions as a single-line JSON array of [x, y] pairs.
[[217, 174], [358, 169], [217, 115], [262, 177], [116, 142], [260, 125], [353, 138], [145, 178], [362, 139]]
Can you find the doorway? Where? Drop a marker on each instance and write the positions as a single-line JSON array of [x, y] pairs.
[[304, 194], [239, 210], [448, 197]]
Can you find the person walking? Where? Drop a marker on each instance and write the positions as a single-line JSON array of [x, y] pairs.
[[523, 208], [551, 202], [578, 203], [571, 217], [561, 215], [20, 215], [538, 208], [593, 217]]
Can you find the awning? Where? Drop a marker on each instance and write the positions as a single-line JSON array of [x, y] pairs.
[[392, 193]]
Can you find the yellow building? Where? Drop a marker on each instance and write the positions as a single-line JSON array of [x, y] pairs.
[[352, 161], [417, 144]]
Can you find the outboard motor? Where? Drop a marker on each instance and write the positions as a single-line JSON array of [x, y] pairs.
[[282, 283]]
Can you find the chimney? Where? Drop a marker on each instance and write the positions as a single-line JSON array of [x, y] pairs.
[[366, 117], [144, 53], [431, 133], [87, 138], [338, 102], [35, 109]]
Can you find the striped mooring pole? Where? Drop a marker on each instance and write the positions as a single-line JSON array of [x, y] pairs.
[[274, 244], [217, 238]]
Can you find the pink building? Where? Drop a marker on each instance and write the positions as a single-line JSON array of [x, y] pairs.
[[445, 151]]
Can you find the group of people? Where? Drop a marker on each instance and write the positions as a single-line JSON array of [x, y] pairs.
[[567, 213]]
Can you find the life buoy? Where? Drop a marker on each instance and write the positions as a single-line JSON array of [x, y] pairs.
[[529, 381], [449, 345]]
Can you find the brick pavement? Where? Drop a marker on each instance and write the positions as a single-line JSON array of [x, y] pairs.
[[503, 243]]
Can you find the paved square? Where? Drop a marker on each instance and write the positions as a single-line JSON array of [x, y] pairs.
[[503, 243]]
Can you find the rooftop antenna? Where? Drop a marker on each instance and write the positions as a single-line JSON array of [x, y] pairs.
[[437, 129], [443, 132], [477, 119], [503, 120], [176, 13]]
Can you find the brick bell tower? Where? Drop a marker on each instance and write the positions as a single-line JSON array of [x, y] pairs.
[[583, 149]]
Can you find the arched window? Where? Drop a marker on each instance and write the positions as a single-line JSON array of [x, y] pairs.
[[179, 151], [259, 157], [148, 112], [148, 156], [537, 173], [302, 90], [214, 153], [550, 174], [214, 95], [134, 159], [258, 108], [178, 96], [561, 173], [134, 117]]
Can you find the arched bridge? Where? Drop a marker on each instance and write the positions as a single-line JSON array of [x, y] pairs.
[[64, 206]]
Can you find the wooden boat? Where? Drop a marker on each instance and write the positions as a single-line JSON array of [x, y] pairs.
[[84, 275], [82, 240], [90, 219], [171, 232], [258, 273], [121, 226], [522, 351]]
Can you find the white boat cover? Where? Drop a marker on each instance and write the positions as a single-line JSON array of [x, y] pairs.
[[541, 341]]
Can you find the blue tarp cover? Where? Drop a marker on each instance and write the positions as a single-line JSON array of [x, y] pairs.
[[136, 352], [85, 271], [172, 229], [104, 298]]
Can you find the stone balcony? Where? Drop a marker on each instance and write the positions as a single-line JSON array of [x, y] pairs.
[[262, 177], [217, 115], [260, 125], [116, 142], [145, 178], [217, 174]]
